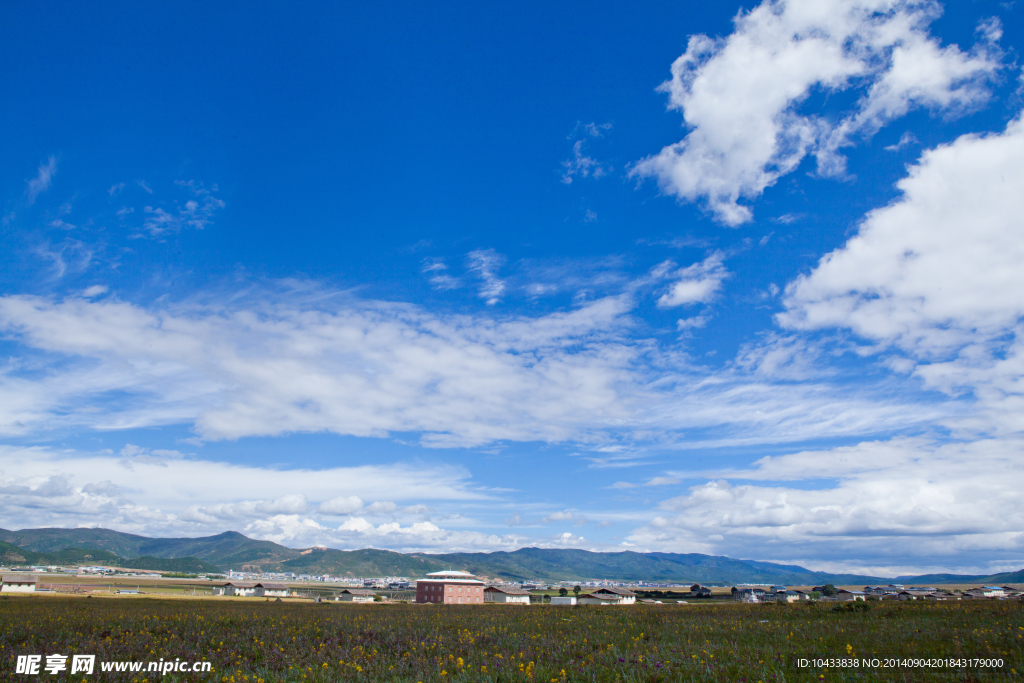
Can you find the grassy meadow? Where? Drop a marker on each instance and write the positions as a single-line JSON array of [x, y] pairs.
[[261, 642]]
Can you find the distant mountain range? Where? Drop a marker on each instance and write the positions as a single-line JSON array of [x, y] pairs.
[[11, 554], [232, 550]]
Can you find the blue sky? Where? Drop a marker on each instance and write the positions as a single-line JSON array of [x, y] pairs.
[[694, 277]]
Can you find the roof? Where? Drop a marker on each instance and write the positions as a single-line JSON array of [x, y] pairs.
[[273, 586], [241, 584], [14, 578], [617, 591], [507, 591], [450, 574], [597, 596], [357, 591]]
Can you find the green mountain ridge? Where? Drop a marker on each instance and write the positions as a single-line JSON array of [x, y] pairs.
[[13, 554], [232, 550]]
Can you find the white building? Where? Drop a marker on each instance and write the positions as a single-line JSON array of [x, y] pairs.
[[507, 595], [355, 595], [242, 589], [13, 583], [265, 589], [791, 596], [567, 600]]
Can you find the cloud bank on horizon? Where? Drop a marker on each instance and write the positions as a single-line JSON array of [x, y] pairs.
[[838, 383]]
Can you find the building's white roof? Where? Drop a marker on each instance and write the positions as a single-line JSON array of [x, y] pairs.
[[450, 574]]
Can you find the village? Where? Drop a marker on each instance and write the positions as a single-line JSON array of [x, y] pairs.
[[462, 588]]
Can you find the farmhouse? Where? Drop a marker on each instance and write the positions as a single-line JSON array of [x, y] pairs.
[[244, 589], [514, 596], [915, 594], [12, 583], [942, 596], [608, 596], [566, 600], [265, 589], [847, 596], [355, 595], [595, 599], [699, 591], [450, 588], [791, 596]]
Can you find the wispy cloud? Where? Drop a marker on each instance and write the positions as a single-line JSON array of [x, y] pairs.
[[580, 165], [197, 212], [41, 183], [439, 277], [485, 264]]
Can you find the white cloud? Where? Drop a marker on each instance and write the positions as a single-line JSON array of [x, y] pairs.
[[196, 213], [341, 505], [94, 291], [440, 279], [740, 95], [905, 140], [580, 165], [363, 369], [937, 269], [41, 183], [270, 365], [698, 283], [905, 500], [693, 323], [937, 275], [164, 493], [561, 516], [381, 507], [485, 263]]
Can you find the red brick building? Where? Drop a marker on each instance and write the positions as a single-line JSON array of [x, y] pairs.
[[450, 588]]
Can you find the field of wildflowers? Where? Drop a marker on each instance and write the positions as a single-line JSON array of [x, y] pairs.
[[265, 642]]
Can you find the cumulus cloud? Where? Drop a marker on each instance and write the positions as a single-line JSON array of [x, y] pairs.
[[740, 95], [165, 493], [561, 516], [341, 505], [883, 502], [938, 268], [937, 276]]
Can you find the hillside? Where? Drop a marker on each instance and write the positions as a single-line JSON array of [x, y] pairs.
[[232, 550], [229, 549], [12, 554]]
